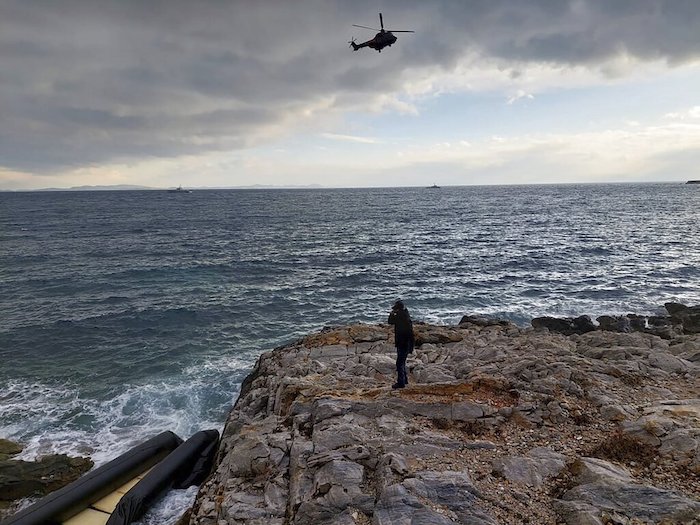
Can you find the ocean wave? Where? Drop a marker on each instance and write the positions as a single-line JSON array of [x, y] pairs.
[[123, 316], [58, 419]]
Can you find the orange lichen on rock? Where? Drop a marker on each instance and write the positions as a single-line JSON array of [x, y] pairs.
[[347, 335]]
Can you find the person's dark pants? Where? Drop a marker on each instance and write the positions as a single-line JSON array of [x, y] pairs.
[[402, 375]]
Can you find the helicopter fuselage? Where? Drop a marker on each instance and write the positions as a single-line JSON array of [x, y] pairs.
[[379, 42]]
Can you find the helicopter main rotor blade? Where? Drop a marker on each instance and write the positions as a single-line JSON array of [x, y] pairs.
[[381, 20], [396, 31], [365, 27]]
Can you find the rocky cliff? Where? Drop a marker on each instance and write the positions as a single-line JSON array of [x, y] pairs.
[[499, 424]]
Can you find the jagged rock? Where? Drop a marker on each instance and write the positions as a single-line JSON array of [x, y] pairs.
[[637, 322], [432, 374], [532, 469], [680, 444], [607, 488], [578, 513], [594, 470], [632, 500], [396, 506], [614, 323], [453, 491], [657, 321], [19, 479], [468, 411], [668, 363], [583, 324], [687, 316], [435, 334], [318, 435], [336, 488], [615, 413]]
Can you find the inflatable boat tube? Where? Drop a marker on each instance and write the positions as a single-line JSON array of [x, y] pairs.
[[65, 503], [187, 465]]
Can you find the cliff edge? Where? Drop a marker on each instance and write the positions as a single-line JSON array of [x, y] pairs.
[[499, 424]]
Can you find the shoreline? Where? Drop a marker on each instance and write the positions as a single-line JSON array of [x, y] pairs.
[[493, 410], [499, 424]]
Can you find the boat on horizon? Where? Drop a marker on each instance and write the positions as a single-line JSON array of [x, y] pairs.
[[433, 187], [179, 189]]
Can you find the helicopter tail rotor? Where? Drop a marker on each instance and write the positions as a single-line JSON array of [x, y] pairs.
[[353, 45]]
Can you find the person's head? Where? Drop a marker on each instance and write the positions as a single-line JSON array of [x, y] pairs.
[[398, 305]]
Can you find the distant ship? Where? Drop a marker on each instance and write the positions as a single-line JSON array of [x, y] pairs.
[[693, 182], [433, 187], [179, 189]]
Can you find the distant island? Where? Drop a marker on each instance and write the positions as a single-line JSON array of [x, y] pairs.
[[132, 187], [693, 182], [114, 187]]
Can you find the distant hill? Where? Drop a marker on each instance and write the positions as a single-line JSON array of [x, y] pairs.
[[133, 187], [114, 187]]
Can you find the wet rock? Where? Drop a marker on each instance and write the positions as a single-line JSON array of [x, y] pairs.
[[553, 324], [675, 309], [20, 479], [583, 324], [8, 449], [638, 323], [658, 321], [687, 316], [565, 325], [614, 323], [482, 321]]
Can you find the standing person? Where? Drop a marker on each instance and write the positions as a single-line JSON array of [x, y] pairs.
[[403, 339]]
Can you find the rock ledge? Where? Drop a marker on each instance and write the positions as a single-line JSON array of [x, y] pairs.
[[498, 425]]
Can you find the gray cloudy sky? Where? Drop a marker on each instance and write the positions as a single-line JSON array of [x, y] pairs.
[[235, 93]]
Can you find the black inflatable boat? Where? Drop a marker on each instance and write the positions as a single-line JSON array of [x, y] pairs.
[[122, 490]]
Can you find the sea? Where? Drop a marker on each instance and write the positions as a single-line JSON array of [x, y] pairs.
[[127, 313]]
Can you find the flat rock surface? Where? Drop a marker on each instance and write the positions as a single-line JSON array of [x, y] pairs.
[[498, 425]]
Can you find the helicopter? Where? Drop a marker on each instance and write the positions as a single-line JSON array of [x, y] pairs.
[[381, 40]]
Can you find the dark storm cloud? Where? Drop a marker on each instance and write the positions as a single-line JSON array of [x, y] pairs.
[[84, 82]]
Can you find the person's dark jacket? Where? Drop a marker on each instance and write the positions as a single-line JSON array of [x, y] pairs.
[[403, 329]]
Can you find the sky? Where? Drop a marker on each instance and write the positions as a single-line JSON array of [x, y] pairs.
[[216, 93]]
